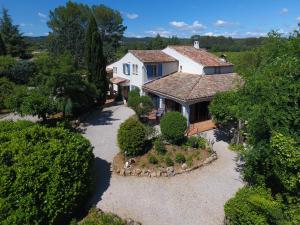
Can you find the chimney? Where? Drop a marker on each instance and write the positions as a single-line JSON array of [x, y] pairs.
[[196, 44]]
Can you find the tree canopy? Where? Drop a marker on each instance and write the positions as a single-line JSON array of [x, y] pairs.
[[267, 106], [11, 36], [69, 25]]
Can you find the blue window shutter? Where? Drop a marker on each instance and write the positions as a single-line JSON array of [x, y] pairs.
[[124, 68], [149, 71], [128, 67], [159, 70]]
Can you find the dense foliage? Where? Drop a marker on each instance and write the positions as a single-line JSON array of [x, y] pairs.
[[267, 108], [173, 126], [132, 137], [2, 46], [45, 173]]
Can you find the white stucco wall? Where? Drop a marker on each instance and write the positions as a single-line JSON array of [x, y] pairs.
[[188, 65], [135, 80], [170, 67]]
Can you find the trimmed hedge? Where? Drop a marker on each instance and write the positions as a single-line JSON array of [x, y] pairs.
[[132, 137], [173, 125], [45, 173]]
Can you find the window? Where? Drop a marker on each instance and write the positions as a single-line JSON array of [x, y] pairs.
[[154, 70], [134, 69], [126, 69], [115, 70], [180, 70], [217, 70]]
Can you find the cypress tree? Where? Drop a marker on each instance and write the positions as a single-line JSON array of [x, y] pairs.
[[95, 60], [2, 46]]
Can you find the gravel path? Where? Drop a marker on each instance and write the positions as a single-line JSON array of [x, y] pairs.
[[195, 198]]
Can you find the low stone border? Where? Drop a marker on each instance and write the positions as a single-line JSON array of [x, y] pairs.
[[162, 172]]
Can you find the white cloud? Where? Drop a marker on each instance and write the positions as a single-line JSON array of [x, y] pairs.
[[42, 15], [132, 16], [221, 23], [178, 24], [255, 34], [26, 24], [161, 31], [298, 18], [29, 34], [209, 34], [196, 25], [284, 10]]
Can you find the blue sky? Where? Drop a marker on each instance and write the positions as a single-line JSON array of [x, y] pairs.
[[183, 18]]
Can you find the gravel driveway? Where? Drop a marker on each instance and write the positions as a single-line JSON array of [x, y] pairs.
[[194, 198]]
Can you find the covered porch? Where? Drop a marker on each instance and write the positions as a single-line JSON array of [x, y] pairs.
[[119, 87], [196, 113]]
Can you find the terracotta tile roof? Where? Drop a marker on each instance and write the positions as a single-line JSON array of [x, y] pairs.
[[200, 56], [118, 80], [190, 87], [152, 56]]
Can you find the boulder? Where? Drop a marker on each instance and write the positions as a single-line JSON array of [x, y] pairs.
[[184, 166]]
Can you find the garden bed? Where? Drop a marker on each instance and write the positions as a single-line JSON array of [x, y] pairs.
[[176, 160]]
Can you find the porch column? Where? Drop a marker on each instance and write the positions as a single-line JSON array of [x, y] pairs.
[[185, 110], [161, 102]]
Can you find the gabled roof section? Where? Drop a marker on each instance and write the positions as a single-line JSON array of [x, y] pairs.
[[188, 87], [148, 56], [200, 56]]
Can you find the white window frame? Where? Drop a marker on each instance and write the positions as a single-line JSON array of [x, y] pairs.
[[134, 69]]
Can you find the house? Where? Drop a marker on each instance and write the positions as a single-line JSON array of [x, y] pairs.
[[177, 78]]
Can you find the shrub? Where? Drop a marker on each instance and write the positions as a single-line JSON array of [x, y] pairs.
[[99, 218], [22, 71], [253, 205], [6, 89], [132, 137], [159, 146], [45, 174], [179, 158], [152, 159], [173, 126], [201, 143], [8, 126], [236, 147], [192, 142], [189, 160], [169, 161]]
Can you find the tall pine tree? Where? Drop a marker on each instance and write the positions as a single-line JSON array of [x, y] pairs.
[[95, 60], [15, 44], [2, 46]]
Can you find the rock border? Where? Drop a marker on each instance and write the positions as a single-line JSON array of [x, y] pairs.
[[162, 172]]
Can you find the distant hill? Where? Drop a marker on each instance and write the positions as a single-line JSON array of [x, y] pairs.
[[215, 44]]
